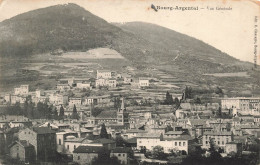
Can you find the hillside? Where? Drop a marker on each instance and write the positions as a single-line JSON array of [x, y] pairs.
[[72, 28]]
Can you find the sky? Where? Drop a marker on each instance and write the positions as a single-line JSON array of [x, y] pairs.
[[231, 31]]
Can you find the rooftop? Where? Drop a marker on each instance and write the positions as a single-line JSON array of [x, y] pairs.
[[43, 130], [88, 149]]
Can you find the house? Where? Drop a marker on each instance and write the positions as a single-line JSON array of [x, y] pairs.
[[180, 143], [75, 101], [43, 139], [22, 150], [122, 154], [143, 82], [104, 74], [148, 141], [22, 90], [84, 84], [59, 99], [107, 144], [102, 82], [132, 133], [63, 87], [85, 154], [234, 147], [174, 134], [244, 105], [220, 138], [71, 143], [61, 137]]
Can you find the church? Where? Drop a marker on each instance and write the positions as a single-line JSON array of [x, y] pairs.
[[114, 117]]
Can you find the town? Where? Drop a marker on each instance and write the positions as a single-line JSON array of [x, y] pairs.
[[121, 118]]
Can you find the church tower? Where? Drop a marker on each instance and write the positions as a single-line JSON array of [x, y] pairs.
[[122, 115]]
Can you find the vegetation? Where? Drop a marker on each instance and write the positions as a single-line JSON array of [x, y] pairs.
[[103, 132]]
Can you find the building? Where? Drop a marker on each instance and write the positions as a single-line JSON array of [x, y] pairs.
[[234, 147], [143, 82], [122, 115], [61, 137], [22, 90], [85, 154], [102, 82], [63, 87], [71, 143], [75, 101], [148, 141], [104, 74], [220, 138], [122, 154], [244, 105], [43, 139], [22, 150]]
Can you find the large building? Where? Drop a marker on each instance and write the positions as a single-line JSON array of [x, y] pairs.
[[44, 141], [104, 74], [219, 138], [243, 105]]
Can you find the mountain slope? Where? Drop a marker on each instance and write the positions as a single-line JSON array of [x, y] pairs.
[[72, 28]]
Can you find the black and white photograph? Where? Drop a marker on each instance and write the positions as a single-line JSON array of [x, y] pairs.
[[129, 82]]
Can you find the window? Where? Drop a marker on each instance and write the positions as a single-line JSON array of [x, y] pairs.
[[175, 143], [206, 142], [78, 157], [119, 154], [59, 141], [68, 147], [140, 141], [222, 142], [123, 155], [74, 147], [218, 142], [179, 143], [184, 143]]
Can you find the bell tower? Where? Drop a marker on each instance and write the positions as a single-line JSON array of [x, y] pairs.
[[122, 115]]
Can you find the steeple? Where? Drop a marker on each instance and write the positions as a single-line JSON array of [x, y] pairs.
[[122, 109]]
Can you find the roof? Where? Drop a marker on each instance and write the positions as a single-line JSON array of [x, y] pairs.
[[88, 149], [183, 137], [104, 141], [108, 114], [23, 143], [135, 131], [75, 140], [174, 133], [43, 130], [218, 133], [132, 140], [149, 135], [121, 150], [198, 121]]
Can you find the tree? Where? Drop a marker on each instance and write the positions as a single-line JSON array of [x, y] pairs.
[[198, 101], [105, 159], [75, 113], [219, 91], [120, 142], [177, 102], [55, 113], [158, 153], [61, 115], [103, 132], [168, 100], [188, 93]]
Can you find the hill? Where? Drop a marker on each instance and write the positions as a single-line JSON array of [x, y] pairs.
[[72, 28]]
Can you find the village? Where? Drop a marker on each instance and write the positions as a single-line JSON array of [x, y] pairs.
[[123, 119]]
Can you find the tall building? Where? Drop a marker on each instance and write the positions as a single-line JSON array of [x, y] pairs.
[[122, 115], [44, 141]]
